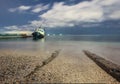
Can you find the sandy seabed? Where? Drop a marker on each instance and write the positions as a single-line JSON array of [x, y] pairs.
[[67, 67]]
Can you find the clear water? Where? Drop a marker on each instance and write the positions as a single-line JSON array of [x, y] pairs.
[[105, 46]]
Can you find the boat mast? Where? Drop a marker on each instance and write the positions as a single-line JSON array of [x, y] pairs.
[[42, 24]]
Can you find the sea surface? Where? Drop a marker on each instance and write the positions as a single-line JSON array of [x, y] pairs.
[[104, 46]]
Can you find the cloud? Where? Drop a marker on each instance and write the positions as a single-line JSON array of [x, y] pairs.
[[26, 27], [14, 27], [18, 32], [94, 11], [20, 8], [85, 13], [38, 8], [12, 9], [115, 15], [34, 9]]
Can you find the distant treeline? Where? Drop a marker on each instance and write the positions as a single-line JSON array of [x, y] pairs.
[[8, 34], [12, 34]]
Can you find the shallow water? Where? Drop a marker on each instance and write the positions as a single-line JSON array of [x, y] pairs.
[[105, 46]]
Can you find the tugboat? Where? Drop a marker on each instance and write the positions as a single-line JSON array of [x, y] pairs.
[[38, 33]]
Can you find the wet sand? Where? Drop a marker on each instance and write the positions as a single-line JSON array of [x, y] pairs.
[[69, 66]]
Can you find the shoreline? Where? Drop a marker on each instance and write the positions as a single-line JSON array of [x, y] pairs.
[[109, 67], [10, 37], [57, 66]]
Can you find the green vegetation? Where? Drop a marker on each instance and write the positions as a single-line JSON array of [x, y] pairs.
[[9, 34], [14, 36]]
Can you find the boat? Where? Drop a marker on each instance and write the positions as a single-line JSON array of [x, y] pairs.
[[38, 33]]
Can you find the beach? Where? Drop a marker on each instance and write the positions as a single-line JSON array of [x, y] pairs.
[[67, 67], [49, 62]]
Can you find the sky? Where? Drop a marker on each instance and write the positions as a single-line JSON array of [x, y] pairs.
[[61, 16]]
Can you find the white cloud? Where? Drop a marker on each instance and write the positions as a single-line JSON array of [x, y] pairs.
[[115, 15], [20, 8], [39, 7], [18, 32], [62, 15], [26, 27], [14, 27], [108, 2], [35, 9], [12, 9], [87, 11]]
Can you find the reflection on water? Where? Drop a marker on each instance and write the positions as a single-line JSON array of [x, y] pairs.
[[106, 46]]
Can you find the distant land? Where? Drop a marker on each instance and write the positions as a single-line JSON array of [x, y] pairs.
[[70, 31], [15, 34]]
